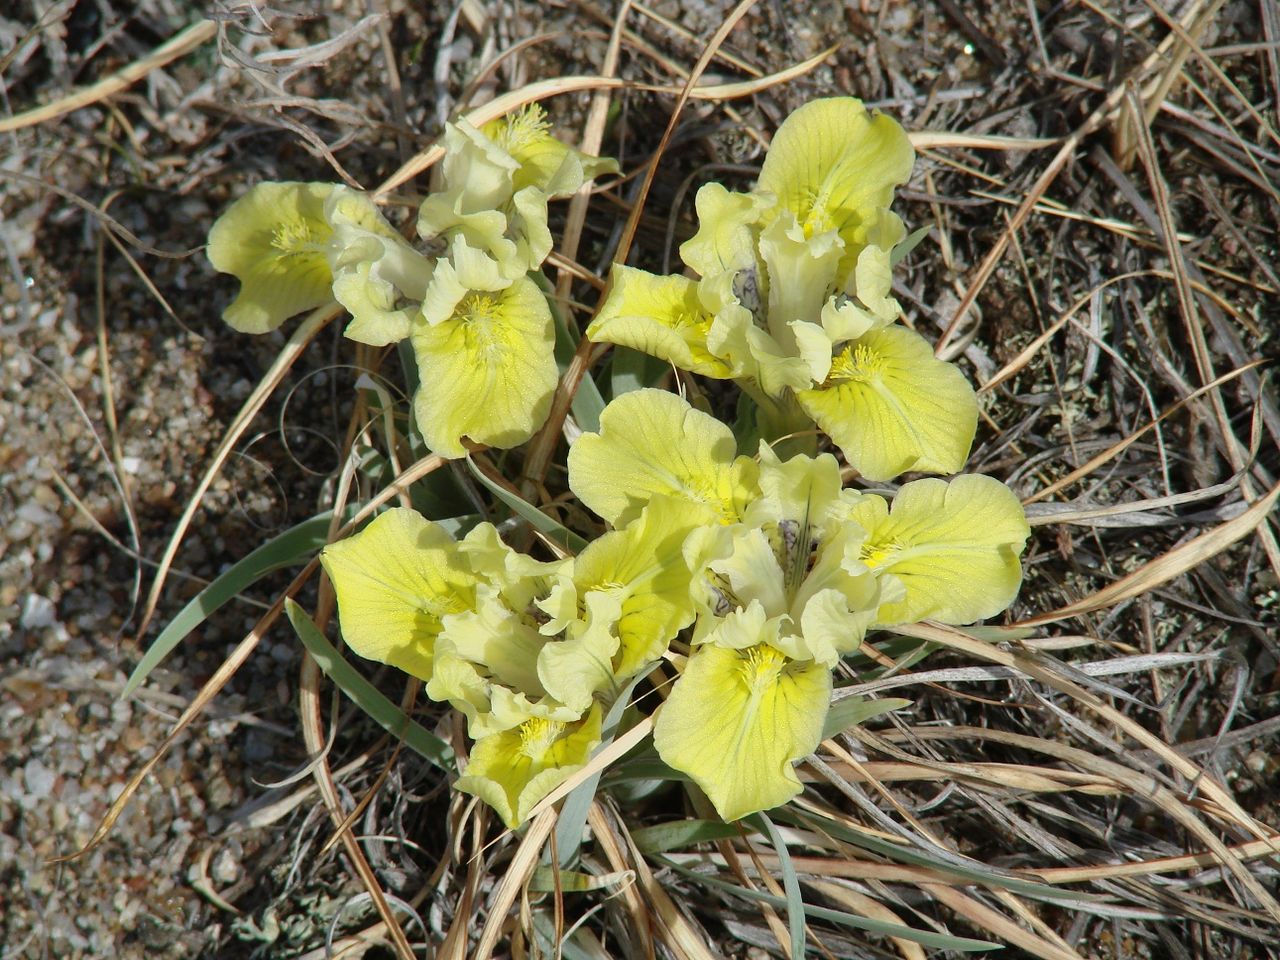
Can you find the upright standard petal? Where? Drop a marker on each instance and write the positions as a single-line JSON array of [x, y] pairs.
[[487, 371], [652, 443], [276, 241], [642, 568], [395, 581], [954, 547], [377, 276], [835, 166], [660, 316], [727, 239], [738, 720], [891, 406], [511, 771]]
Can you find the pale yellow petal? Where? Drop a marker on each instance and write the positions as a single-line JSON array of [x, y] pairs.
[[891, 406]]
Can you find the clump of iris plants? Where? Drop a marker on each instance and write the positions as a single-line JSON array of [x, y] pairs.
[[737, 562]]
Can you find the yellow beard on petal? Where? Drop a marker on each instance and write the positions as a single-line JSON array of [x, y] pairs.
[[537, 736], [859, 363]]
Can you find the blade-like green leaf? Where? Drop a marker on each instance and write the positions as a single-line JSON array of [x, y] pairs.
[[523, 508], [882, 927], [366, 696], [632, 370], [851, 711], [790, 886], [291, 547], [573, 812], [907, 244], [680, 834]]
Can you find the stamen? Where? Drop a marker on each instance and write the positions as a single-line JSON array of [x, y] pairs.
[[761, 665], [538, 735], [859, 363]]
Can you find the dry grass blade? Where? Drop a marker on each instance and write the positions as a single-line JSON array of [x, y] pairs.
[[513, 881], [1092, 464], [1164, 568], [542, 89], [997, 924], [682, 939], [179, 45], [1143, 786], [309, 706], [1100, 115]]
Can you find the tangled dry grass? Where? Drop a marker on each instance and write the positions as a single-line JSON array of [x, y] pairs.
[[1096, 777]]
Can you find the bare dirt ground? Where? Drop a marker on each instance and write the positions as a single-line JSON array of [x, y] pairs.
[[1152, 246]]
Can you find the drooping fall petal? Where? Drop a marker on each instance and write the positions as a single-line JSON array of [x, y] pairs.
[[891, 406], [395, 581], [276, 240], [738, 720], [954, 547], [487, 371]]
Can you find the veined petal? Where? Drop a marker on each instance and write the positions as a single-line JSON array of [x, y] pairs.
[[395, 581], [738, 720], [891, 406], [954, 547], [660, 316], [511, 771], [653, 443], [726, 241], [835, 167], [487, 372], [276, 241], [643, 567]]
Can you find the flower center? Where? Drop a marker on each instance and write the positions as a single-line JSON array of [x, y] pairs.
[[876, 553], [859, 363], [537, 736], [523, 129], [294, 237], [478, 308], [761, 665]]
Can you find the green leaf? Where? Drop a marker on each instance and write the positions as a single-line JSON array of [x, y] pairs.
[[571, 881], [284, 550], [790, 886], [573, 812], [851, 711], [881, 927], [680, 834], [523, 508], [907, 244], [903, 854], [366, 696], [632, 370]]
